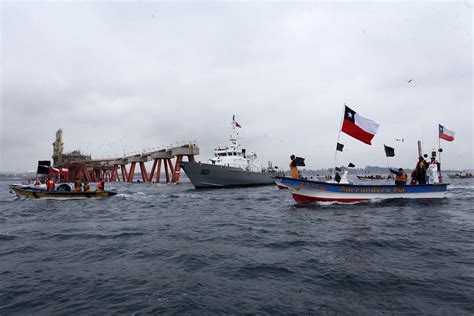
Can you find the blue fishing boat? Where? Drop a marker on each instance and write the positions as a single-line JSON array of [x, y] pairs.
[[306, 191]]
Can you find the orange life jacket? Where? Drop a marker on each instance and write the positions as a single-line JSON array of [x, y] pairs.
[[403, 177], [294, 171], [50, 184]]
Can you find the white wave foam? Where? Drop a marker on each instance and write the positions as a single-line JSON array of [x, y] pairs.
[[457, 186]]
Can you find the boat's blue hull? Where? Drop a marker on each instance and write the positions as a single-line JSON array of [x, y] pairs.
[[310, 191]]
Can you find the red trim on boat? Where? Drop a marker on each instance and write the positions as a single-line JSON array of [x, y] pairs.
[[307, 199]]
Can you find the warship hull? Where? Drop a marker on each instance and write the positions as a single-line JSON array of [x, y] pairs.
[[203, 175]]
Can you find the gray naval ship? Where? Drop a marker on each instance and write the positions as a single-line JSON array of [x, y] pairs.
[[231, 166]]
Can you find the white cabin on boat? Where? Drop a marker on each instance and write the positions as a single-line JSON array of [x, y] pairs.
[[236, 156]]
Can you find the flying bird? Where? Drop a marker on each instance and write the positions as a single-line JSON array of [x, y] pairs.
[[410, 80], [400, 140]]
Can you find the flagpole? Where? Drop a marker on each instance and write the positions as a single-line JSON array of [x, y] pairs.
[[338, 137], [439, 152]]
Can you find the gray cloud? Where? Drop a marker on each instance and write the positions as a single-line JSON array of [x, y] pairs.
[[125, 76]]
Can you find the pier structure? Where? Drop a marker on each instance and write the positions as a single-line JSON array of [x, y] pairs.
[[92, 170]]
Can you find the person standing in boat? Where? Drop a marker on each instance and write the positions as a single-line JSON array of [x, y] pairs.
[[294, 167], [400, 176], [101, 185], [433, 171], [421, 167], [50, 184]]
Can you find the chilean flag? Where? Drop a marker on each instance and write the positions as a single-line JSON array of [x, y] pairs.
[[445, 133], [359, 127], [53, 170]]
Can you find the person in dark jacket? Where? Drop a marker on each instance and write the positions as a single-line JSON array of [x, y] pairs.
[[400, 176], [421, 167]]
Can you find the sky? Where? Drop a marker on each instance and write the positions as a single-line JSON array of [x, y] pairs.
[[121, 77]]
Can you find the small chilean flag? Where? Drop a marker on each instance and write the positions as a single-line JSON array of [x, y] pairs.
[[358, 127], [445, 133]]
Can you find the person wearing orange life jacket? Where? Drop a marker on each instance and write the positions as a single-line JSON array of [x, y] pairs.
[[294, 168], [400, 176], [101, 185], [49, 184]]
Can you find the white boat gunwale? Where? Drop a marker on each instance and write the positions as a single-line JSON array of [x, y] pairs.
[[363, 185]]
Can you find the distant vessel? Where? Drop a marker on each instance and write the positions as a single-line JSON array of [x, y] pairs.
[[460, 175], [230, 166]]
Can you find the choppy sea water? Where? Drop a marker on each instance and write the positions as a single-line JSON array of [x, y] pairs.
[[170, 249]]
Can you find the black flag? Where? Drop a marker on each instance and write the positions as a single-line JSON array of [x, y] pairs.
[[339, 147], [389, 151], [43, 167], [351, 165]]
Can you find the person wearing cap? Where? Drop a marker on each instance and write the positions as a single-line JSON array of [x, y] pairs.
[[400, 176]]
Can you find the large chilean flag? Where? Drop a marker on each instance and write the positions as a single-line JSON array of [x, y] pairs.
[[358, 127], [445, 133]]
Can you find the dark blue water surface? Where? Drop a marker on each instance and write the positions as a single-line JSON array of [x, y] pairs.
[[170, 249]]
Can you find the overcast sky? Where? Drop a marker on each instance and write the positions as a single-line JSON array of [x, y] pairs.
[[123, 76]]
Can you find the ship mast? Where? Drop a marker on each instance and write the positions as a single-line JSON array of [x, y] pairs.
[[58, 148]]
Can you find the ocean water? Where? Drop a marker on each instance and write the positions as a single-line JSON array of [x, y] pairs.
[[170, 249]]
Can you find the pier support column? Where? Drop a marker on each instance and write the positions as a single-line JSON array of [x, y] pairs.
[[143, 172], [158, 173], [177, 169], [123, 169], [131, 172]]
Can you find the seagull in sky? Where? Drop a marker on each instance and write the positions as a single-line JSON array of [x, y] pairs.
[[409, 81]]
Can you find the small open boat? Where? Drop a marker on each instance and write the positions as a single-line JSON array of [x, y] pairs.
[[374, 177], [460, 175], [305, 191], [31, 192]]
